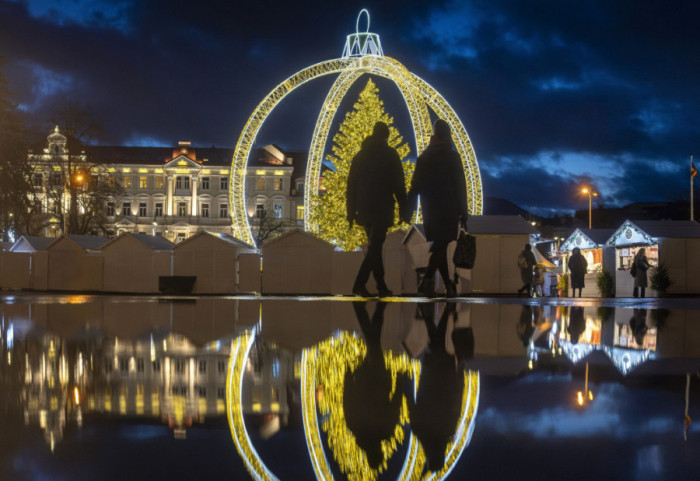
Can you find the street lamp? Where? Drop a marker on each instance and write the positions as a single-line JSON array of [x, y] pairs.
[[590, 193], [78, 178]]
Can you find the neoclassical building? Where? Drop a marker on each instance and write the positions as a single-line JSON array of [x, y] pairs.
[[176, 192]]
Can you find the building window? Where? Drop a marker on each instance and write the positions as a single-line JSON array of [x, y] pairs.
[[156, 365], [159, 209], [274, 394], [124, 365], [278, 211], [55, 179], [182, 209], [202, 367], [143, 182], [223, 210], [38, 180], [205, 210], [182, 182], [181, 236], [159, 181], [110, 181], [143, 209], [279, 184], [221, 367], [205, 183], [127, 182], [220, 393], [276, 368], [300, 212], [140, 365], [126, 208], [259, 211], [180, 366], [223, 183], [300, 188], [110, 209], [202, 391], [260, 183]]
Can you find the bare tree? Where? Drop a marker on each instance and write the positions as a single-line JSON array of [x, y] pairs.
[[265, 226]]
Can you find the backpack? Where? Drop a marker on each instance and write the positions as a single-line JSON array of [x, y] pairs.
[[633, 269], [522, 262]]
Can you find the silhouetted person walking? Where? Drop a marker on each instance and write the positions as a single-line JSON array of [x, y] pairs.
[[375, 183], [526, 261], [578, 266], [439, 181]]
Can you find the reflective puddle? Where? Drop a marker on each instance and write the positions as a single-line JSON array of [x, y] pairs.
[[158, 388]]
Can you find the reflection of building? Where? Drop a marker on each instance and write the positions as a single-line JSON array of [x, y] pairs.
[[176, 192]]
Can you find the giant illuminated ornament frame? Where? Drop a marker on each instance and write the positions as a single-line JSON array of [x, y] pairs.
[[362, 55]]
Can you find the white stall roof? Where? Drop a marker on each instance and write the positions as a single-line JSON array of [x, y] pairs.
[[85, 242], [222, 237], [155, 243], [650, 231], [31, 243], [586, 239]]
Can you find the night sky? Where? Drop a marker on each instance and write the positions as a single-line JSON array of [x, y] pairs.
[[554, 94]]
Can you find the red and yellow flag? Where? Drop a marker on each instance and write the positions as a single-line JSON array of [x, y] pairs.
[[693, 170]]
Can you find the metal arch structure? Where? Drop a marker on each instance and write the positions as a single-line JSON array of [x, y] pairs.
[[418, 95]]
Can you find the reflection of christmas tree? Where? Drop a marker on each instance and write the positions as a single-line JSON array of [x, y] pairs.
[[329, 208]]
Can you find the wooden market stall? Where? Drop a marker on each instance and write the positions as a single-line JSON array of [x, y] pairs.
[[221, 264], [591, 242], [674, 243], [24, 265], [75, 263], [134, 262]]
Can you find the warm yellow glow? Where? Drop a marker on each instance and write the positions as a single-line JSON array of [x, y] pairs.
[[590, 395], [143, 171], [182, 162], [418, 95], [126, 170], [223, 172], [206, 171], [279, 172], [256, 407], [260, 172], [275, 407], [159, 171], [579, 398], [76, 396], [584, 191]]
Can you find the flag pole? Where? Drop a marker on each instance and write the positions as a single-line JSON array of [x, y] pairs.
[[692, 205]]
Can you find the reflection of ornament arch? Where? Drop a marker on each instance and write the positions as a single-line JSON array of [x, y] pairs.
[[417, 94]]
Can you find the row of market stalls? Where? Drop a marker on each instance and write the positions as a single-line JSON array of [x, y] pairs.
[[295, 263], [676, 244]]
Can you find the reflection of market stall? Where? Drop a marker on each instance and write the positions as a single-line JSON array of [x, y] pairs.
[[591, 242], [675, 243]]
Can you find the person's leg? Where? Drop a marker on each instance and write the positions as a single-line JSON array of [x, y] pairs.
[[367, 266], [440, 252], [634, 292], [641, 291], [376, 245]]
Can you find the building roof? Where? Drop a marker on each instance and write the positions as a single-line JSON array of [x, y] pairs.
[[155, 243], [674, 229], [37, 243], [116, 154], [222, 237], [599, 236], [499, 224]]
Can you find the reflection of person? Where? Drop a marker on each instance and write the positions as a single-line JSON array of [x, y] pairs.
[[638, 326], [576, 323], [578, 265], [526, 326], [641, 264], [439, 181], [435, 411], [371, 410], [375, 183], [526, 261], [538, 280]]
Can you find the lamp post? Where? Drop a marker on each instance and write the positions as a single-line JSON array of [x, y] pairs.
[[590, 193], [78, 178]]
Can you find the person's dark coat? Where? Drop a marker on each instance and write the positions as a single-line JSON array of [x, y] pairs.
[[526, 273], [578, 266], [375, 180], [640, 280], [439, 180]]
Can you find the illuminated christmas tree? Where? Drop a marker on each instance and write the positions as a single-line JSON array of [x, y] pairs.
[[329, 207]]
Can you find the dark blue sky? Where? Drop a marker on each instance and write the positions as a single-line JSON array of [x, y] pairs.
[[553, 94]]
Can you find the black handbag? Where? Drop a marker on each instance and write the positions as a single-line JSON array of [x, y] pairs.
[[465, 251]]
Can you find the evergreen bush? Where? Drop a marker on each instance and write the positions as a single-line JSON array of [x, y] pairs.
[[604, 282]]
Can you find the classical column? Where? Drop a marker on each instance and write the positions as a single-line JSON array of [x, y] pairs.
[[169, 200], [194, 209]]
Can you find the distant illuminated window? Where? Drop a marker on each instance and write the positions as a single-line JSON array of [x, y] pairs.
[[300, 212], [127, 182], [143, 182], [278, 211], [276, 368], [159, 181], [223, 183], [279, 183], [38, 180], [260, 183], [182, 209]]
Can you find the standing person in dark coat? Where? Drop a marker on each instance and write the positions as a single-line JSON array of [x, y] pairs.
[[526, 261], [439, 181], [642, 266], [578, 266], [375, 183]]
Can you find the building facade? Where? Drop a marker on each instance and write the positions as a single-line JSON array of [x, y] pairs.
[[172, 192]]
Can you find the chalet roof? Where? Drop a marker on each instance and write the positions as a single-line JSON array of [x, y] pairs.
[[155, 243], [37, 243], [499, 224], [222, 237], [86, 242], [599, 236], [298, 233], [669, 229]]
